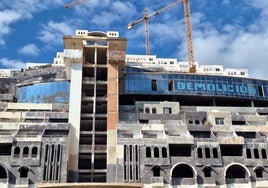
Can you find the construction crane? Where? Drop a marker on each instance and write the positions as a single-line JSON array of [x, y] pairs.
[[188, 30], [145, 19], [73, 3]]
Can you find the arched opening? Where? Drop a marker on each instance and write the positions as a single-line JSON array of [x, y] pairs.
[[34, 152], [259, 172], [24, 172], [17, 152], [264, 154], [164, 152], [148, 152], [236, 171], [248, 152], [256, 153], [156, 152], [25, 152], [215, 152], [154, 110], [182, 171], [3, 173], [156, 171], [207, 171], [147, 110], [199, 153], [207, 151]]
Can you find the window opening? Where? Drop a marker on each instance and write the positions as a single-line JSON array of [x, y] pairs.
[[235, 171], [25, 152], [24, 172], [199, 153], [34, 152], [248, 152], [219, 121], [258, 172], [156, 152], [170, 85], [17, 152], [263, 153], [167, 110], [197, 122], [215, 153], [260, 89], [231, 150], [156, 171], [147, 110], [164, 152], [207, 151], [256, 153], [3, 173], [207, 172], [154, 85], [182, 171], [148, 152], [154, 110]]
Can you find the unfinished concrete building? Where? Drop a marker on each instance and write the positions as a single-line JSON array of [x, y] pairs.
[[34, 127], [107, 122]]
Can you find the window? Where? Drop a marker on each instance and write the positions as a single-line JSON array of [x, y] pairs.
[[207, 171], [154, 110], [219, 121], [217, 69], [248, 152], [25, 152], [147, 110], [164, 152], [258, 172], [148, 152], [170, 85], [156, 171], [17, 152], [24, 172], [207, 151], [154, 85], [256, 153], [199, 153], [166, 110], [263, 153], [260, 89], [34, 152], [215, 153], [156, 152]]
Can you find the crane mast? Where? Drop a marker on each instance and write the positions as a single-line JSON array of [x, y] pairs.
[[74, 3], [145, 19], [188, 30]]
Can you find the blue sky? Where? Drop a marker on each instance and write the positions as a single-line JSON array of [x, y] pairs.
[[233, 33]]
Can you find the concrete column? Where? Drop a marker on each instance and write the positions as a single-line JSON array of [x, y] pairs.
[[74, 119]]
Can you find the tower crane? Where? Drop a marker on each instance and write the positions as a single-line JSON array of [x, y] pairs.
[[73, 3], [188, 30], [145, 19]]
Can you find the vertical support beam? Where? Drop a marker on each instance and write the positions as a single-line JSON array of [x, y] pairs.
[[74, 119], [116, 60]]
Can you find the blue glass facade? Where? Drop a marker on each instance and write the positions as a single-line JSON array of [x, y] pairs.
[[49, 92], [138, 82]]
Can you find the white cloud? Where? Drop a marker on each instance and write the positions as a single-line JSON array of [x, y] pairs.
[[12, 64], [11, 12], [52, 32], [29, 49]]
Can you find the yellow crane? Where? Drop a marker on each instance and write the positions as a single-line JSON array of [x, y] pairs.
[[145, 19], [188, 30], [73, 3]]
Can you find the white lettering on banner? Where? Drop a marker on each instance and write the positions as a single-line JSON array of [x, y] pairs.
[[214, 87]]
